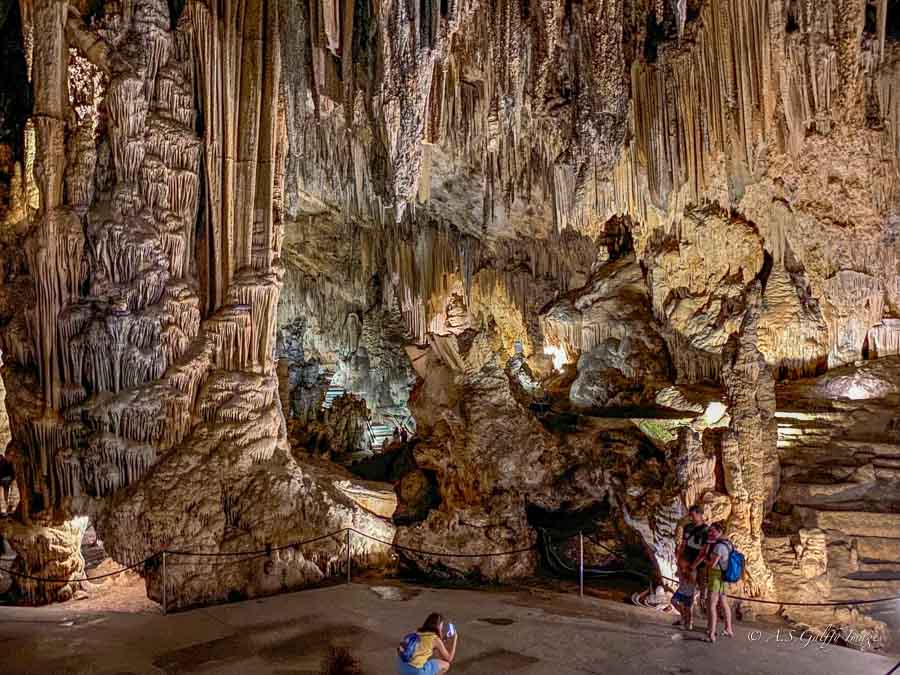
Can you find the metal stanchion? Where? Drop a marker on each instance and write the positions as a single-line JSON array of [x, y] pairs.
[[580, 564], [164, 582], [348, 554]]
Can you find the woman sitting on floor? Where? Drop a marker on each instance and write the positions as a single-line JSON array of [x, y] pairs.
[[428, 655]]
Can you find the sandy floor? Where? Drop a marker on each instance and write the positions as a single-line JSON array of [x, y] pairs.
[[536, 632], [124, 592]]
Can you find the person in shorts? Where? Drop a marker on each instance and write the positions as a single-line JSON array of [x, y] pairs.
[[716, 563], [683, 600], [431, 657]]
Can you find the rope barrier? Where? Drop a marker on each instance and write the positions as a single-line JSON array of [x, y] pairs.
[[247, 555], [295, 545], [270, 549], [837, 603], [68, 581], [410, 549], [555, 559], [762, 601]]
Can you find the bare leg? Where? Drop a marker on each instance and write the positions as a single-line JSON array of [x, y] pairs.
[[712, 616], [702, 596], [5, 490], [685, 617], [443, 666], [726, 607]]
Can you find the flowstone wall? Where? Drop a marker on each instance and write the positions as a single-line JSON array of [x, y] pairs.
[[604, 253], [141, 362]]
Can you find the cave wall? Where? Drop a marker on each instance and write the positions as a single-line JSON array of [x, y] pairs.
[[757, 177], [579, 242], [141, 362]]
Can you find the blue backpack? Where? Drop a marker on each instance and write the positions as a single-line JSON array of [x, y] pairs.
[[408, 647], [735, 569]]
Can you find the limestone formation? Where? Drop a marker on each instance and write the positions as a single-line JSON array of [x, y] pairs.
[[48, 550], [597, 261], [606, 327], [148, 352], [748, 447]]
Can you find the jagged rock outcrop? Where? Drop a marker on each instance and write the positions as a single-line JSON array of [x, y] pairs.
[[699, 273], [493, 459], [479, 448], [607, 328]]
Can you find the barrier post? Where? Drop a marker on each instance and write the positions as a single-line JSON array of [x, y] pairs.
[[580, 564], [349, 530], [164, 582]]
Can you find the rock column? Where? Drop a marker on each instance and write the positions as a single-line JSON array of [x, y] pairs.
[[749, 452]]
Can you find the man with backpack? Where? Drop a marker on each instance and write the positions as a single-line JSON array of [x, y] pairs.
[[721, 560]]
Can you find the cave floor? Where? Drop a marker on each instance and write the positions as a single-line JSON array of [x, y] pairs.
[[521, 632]]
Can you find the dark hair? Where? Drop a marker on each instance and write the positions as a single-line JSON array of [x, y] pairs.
[[432, 624], [695, 509], [719, 526]]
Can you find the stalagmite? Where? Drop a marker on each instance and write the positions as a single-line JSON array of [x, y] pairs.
[[749, 456], [124, 347]]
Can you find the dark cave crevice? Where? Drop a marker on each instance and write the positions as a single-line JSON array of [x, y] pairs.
[[15, 90]]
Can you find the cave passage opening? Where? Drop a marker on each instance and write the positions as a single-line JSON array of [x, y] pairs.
[[611, 554], [385, 423]]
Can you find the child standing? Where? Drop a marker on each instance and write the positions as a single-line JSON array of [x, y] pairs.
[[683, 600]]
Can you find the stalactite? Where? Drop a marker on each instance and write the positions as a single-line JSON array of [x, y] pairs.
[[854, 302], [69, 472], [259, 292], [232, 328], [240, 134], [792, 333], [692, 363], [484, 116], [736, 99], [887, 94], [884, 338], [137, 321]]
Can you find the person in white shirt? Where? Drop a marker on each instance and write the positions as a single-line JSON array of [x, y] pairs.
[[719, 550]]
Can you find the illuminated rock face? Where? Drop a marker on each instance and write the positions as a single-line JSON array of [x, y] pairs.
[[623, 359], [141, 361], [592, 253]]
